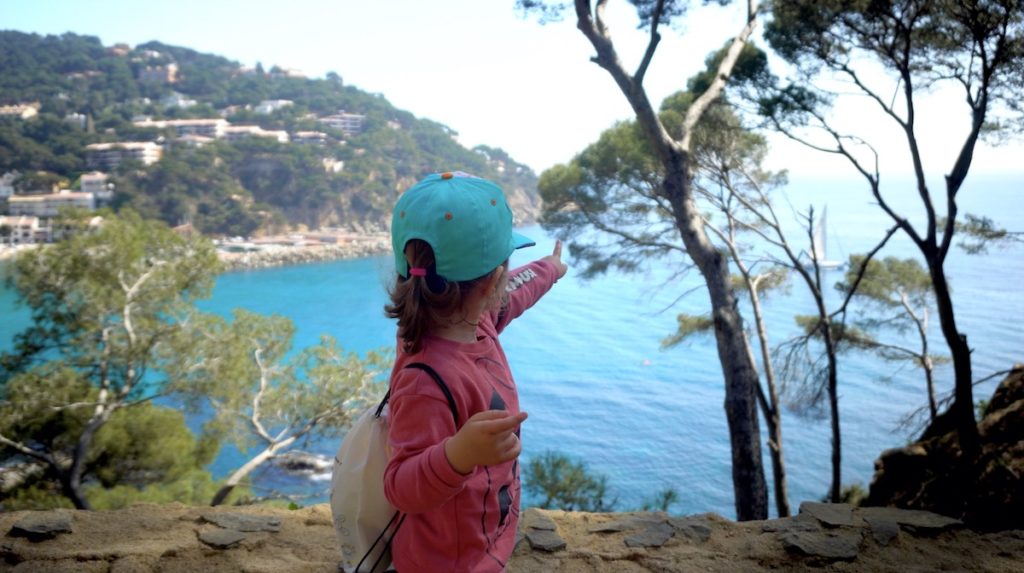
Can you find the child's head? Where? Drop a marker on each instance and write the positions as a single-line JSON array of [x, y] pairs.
[[449, 232]]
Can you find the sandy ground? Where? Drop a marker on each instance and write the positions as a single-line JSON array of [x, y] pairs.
[[169, 538]]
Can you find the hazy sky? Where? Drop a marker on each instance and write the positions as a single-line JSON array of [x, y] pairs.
[[478, 66]]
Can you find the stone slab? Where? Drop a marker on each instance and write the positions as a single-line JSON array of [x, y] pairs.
[[534, 519], [829, 546], [915, 521], [654, 536], [243, 522], [43, 525], [221, 538], [545, 540], [829, 514]]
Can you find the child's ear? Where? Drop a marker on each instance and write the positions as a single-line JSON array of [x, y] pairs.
[[495, 278]]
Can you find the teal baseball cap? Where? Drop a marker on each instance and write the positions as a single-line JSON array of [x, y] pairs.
[[464, 219]]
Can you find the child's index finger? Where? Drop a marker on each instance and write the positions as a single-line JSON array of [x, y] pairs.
[[558, 249], [503, 424]]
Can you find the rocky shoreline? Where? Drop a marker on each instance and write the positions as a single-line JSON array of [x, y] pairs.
[[279, 255], [276, 255], [823, 537]]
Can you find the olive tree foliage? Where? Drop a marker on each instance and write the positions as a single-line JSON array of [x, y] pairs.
[[916, 46], [671, 150], [263, 398], [104, 303]]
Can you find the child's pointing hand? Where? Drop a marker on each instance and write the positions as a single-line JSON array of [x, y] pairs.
[[555, 258], [486, 439]]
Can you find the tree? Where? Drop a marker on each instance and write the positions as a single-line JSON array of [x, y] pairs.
[[144, 453], [899, 291], [673, 155], [729, 162], [104, 303], [734, 183], [611, 186], [261, 401], [919, 46], [566, 484]]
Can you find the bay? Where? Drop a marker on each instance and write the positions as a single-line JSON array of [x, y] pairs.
[[598, 388]]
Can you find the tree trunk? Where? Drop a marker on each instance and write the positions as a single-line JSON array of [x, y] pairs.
[[833, 403], [835, 491], [247, 468], [771, 409], [963, 405], [73, 491], [71, 481], [741, 378]]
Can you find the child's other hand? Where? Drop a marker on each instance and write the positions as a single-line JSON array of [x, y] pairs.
[[486, 439], [555, 258]]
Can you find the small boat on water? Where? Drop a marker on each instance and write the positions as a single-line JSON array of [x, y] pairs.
[[819, 247]]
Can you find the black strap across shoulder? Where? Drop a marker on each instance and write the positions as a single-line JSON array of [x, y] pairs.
[[440, 382], [399, 518]]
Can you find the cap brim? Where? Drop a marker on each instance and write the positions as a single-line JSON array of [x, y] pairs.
[[520, 241]]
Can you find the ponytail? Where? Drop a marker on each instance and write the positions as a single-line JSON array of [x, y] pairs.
[[424, 300]]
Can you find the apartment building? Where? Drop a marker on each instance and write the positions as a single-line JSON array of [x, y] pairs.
[[50, 204], [20, 110], [349, 123], [311, 137], [21, 230], [108, 156], [99, 185], [236, 132], [159, 74], [205, 127]]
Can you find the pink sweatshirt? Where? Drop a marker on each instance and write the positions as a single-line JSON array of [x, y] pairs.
[[456, 523]]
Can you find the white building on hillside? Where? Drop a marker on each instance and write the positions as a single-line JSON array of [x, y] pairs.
[[268, 106], [21, 230], [236, 132], [349, 123], [178, 100], [204, 127], [49, 205], [313, 137], [97, 183], [159, 74], [108, 156], [20, 110]]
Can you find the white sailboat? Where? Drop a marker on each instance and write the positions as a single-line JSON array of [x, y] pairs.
[[818, 244]]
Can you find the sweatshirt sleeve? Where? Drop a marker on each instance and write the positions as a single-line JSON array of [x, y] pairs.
[[419, 476], [526, 285]]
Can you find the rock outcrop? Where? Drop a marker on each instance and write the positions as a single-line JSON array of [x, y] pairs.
[[930, 474], [172, 538]]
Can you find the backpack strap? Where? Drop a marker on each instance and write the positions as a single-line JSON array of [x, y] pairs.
[[440, 382]]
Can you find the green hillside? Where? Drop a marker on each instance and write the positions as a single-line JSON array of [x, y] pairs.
[[89, 93]]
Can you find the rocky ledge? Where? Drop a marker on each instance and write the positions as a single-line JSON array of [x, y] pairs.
[[823, 537]]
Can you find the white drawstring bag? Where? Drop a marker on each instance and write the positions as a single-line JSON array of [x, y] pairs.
[[364, 521], [359, 509]]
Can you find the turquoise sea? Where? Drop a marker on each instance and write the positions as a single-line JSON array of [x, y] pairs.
[[591, 374]]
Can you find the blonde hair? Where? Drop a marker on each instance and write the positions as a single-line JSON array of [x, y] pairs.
[[424, 302]]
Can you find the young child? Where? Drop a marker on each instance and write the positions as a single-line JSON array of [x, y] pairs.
[[459, 486]]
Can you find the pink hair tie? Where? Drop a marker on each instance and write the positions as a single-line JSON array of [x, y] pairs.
[[417, 272]]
